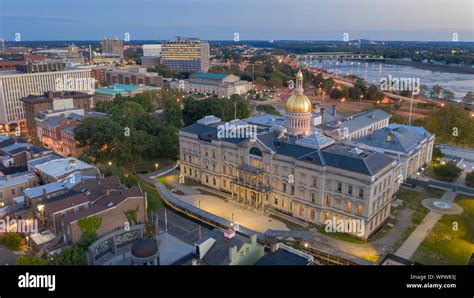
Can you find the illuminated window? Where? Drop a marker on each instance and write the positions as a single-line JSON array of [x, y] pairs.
[[349, 206], [360, 209]]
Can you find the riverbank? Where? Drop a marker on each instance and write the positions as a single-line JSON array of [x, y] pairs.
[[432, 67]]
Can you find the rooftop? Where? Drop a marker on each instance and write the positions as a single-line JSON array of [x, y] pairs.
[[361, 120], [208, 75], [396, 137], [282, 257], [122, 88], [57, 168]]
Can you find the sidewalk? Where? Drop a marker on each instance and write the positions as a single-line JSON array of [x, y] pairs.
[[410, 245]]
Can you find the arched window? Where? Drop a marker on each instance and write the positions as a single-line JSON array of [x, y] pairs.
[[255, 151]]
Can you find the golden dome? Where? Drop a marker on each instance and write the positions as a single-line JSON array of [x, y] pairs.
[[299, 74], [298, 103]]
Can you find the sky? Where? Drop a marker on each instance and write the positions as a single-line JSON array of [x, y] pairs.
[[435, 20]]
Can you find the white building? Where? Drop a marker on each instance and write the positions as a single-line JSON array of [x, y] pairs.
[[15, 85], [223, 85], [412, 146], [152, 50], [357, 126], [292, 171]]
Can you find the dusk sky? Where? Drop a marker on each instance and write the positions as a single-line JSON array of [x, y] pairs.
[[252, 19]]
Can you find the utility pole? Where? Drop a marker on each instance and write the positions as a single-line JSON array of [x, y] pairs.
[[411, 109]]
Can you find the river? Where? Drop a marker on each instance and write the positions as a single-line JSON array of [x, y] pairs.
[[373, 72]]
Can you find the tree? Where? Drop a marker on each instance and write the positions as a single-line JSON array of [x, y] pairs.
[[447, 172], [437, 154], [397, 118], [355, 93], [336, 94], [451, 124], [90, 225], [172, 113], [268, 109], [373, 93], [31, 260], [437, 90], [470, 179], [150, 229], [468, 99], [71, 255], [11, 241]]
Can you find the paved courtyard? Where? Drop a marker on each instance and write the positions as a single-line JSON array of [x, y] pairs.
[[246, 217], [7, 257]]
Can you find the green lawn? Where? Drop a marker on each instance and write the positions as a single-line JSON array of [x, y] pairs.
[[341, 236], [166, 181], [382, 232], [154, 200], [447, 246], [412, 199]]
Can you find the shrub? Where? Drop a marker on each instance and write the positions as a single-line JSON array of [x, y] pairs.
[[11, 240], [470, 179], [31, 260], [447, 172]]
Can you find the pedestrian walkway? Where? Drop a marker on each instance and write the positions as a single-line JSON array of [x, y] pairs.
[[410, 245]]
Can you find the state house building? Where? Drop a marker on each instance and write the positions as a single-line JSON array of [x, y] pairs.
[[294, 170]]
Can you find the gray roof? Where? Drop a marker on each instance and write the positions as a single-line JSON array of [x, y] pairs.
[[396, 137], [368, 162], [362, 120], [218, 254], [282, 257], [340, 156]]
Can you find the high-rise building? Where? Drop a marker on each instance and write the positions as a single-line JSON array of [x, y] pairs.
[[133, 76], [16, 85], [186, 54], [152, 50], [2, 45], [112, 47]]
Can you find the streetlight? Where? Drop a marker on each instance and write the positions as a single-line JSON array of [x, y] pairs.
[[110, 163], [156, 166], [232, 217]]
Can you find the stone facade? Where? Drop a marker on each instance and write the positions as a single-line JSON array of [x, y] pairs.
[[264, 182]]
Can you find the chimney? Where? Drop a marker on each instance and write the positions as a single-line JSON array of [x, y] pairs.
[[45, 196], [274, 247], [229, 234]]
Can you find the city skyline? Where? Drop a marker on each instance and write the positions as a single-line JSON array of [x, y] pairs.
[[220, 20]]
